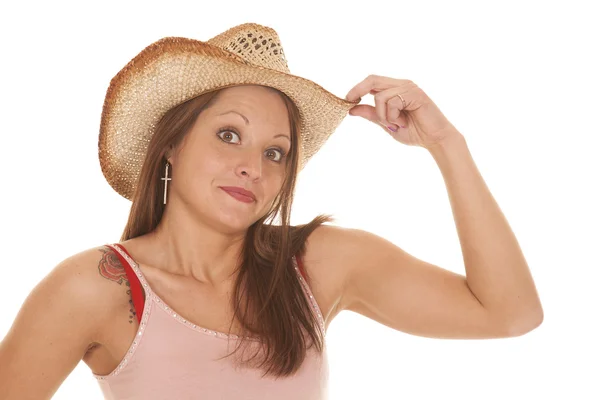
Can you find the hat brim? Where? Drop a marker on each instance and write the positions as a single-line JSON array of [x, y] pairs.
[[174, 70]]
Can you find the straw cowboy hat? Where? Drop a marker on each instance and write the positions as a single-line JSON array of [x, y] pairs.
[[174, 69]]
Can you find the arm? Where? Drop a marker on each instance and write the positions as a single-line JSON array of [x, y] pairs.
[[54, 328], [496, 269], [497, 298]]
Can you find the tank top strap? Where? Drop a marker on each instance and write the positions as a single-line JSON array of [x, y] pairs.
[[300, 270], [134, 276], [300, 266]]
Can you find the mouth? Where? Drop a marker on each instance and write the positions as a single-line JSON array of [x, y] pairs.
[[239, 193]]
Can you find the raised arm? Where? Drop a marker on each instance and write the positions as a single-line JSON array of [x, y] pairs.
[[381, 281], [496, 296]]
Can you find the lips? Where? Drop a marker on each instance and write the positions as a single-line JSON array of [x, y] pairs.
[[239, 191]]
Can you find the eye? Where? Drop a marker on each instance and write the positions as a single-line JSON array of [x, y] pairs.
[[281, 154], [228, 133]]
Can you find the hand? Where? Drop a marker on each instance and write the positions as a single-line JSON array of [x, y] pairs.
[[419, 123]]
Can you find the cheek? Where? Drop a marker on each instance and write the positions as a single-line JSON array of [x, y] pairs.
[[193, 174], [275, 184], [205, 159], [210, 165]]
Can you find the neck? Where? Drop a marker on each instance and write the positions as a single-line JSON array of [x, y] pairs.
[[182, 244]]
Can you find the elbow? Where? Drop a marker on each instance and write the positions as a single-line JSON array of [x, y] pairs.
[[524, 325]]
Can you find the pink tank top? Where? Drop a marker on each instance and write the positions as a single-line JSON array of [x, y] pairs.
[[172, 358]]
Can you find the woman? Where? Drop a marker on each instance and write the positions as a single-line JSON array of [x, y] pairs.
[[206, 139]]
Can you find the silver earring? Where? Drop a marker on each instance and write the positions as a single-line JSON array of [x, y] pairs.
[[166, 179]]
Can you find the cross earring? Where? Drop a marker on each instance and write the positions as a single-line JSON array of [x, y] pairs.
[[166, 179]]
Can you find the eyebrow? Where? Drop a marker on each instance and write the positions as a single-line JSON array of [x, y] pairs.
[[248, 122]]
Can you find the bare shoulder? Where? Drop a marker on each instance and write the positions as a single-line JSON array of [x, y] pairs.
[[324, 264], [92, 281], [93, 277], [59, 321], [100, 273], [98, 269]]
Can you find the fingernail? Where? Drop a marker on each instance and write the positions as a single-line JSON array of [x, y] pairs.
[[393, 129]]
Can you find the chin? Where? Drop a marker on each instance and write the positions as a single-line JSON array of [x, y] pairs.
[[232, 225], [235, 217]]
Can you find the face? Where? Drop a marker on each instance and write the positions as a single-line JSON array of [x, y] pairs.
[[242, 140]]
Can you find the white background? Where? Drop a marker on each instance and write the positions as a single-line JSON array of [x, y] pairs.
[[518, 79]]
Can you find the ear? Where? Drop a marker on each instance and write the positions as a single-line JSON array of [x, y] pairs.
[[170, 154]]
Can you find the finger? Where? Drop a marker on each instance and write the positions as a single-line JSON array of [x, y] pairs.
[[369, 113], [386, 103], [366, 111], [371, 83], [394, 115], [394, 109], [381, 106]]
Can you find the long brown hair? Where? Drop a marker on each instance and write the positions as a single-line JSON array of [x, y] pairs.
[[268, 299]]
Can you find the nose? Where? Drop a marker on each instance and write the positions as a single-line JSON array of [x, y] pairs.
[[250, 166]]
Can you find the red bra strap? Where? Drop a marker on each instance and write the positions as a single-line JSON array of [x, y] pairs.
[[137, 295]]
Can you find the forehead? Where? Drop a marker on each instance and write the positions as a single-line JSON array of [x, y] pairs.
[[256, 103], [249, 94]]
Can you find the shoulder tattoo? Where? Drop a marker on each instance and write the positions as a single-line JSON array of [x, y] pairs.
[[110, 267]]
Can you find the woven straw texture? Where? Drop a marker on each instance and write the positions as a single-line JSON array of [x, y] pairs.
[[174, 70]]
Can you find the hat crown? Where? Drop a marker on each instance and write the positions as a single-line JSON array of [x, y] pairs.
[[256, 44]]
